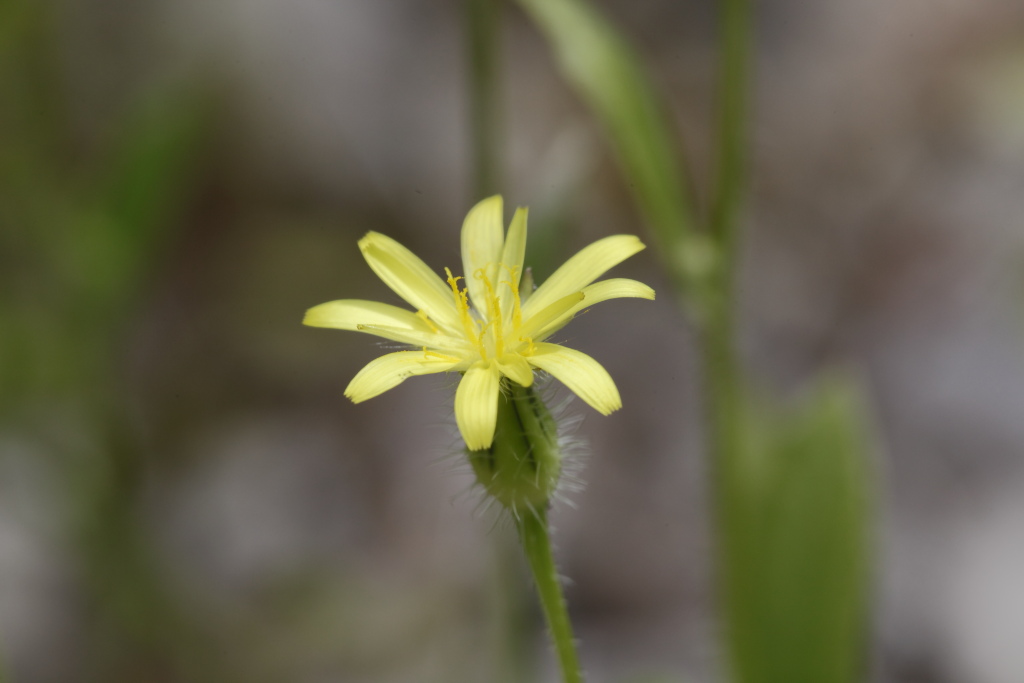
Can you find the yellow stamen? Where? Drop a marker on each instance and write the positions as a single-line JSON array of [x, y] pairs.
[[480, 342], [462, 304], [453, 282], [422, 315], [494, 312]]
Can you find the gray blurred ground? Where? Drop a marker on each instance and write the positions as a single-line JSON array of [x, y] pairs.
[[323, 541]]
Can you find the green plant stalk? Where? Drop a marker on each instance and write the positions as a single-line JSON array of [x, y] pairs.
[[725, 405], [733, 78], [482, 23], [536, 539], [723, 381]]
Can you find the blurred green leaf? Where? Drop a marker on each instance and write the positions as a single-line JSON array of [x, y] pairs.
[[80, 225], [140, 190], [798, 543], [153, 159], [610, 78]]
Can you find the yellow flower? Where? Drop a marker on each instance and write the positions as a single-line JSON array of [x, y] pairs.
[[480, 324]]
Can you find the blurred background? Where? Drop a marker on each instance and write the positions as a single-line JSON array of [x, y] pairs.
[[185, 494]]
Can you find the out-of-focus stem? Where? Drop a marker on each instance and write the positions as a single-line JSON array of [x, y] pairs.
[[482, 20], [723, 383], [733, 88]]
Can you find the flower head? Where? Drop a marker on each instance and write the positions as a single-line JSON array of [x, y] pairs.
[[480, 323]]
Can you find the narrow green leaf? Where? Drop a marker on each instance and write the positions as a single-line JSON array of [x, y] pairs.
[[799, 548], [609, 77]]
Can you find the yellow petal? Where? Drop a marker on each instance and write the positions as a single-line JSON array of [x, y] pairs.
[[581, 373], [516, 368], [557, 313], [579, 271], [410, 278], [615, 288], [482, 239], [442, 342], [391, 370], [512, 259], [476, 405], [348, 314]]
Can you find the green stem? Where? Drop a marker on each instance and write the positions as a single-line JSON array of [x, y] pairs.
[[723, 389], [723, 378], [482, 29], [734, 59], [536, 539], [723, 374]]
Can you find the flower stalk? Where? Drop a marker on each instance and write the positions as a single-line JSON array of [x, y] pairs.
[[535, 535], [520, 470]]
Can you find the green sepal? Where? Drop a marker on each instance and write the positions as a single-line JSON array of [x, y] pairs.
[[523, 464]]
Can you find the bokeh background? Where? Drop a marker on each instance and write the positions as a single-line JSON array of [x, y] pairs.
[[185, 494]]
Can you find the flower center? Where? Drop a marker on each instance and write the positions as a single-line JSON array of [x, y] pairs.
[[492, 325]]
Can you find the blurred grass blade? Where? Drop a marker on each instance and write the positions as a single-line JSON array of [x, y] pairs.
[[140, 191], [154, 159], [482, 21], [798, 565], [734, 60], [609, 77]]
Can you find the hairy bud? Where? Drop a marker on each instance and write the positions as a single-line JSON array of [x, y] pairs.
[[522, 466]]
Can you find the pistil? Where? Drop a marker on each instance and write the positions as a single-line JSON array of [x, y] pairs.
[[493, 312], [462, 304]]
